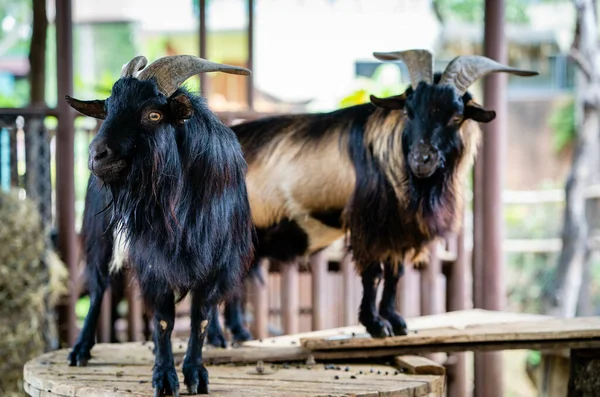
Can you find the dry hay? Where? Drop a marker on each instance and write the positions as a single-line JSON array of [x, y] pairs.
[[31, 280]]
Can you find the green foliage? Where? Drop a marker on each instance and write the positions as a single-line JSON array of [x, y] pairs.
[[18, 15], [384, 83], [562, 123], [473, 10]]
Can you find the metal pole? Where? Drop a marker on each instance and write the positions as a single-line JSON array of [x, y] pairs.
[[65, 152], [203, 77], [489, 365], [250, 79]]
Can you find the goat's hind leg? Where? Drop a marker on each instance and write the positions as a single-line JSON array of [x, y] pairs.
[[215, 336], [194, 372], [368, 316], [387, 306], [234, 320]]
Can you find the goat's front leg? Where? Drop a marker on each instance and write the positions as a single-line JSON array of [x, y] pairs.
[[234, 320], [387, 306], [368, 316], [195, 375], [162, 303]]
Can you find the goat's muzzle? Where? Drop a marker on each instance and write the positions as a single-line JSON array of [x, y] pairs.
[[423, 160], [103, 163]]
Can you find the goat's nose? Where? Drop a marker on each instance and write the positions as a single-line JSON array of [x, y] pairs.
[[100, 153]]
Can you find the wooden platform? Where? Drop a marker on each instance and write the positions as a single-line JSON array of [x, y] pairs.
[[120, 370], [125, 369]]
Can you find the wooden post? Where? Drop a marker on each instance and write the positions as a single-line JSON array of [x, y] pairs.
[[456, 299], [260, 301], [349, 274], [318, 266], [250, 63], [202, 41], [488, 365], [65, 153], [290, 298], [105, 321], [430, 286], [135, 313]]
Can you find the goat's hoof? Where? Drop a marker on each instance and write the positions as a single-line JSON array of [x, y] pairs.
[[164, 380], [399, 326], [216, 340], [241, 335], [196, 378], [79, 356], [379, 328]]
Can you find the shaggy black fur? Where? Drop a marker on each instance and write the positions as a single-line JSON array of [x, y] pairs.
[[179, 195]]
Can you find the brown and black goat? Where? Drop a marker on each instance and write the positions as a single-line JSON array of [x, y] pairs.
[[390, 172], [176, 176]]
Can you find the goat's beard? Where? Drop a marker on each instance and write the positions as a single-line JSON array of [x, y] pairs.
[[147, 197]]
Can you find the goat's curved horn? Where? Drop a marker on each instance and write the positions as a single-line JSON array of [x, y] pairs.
[[171, 71], [135, 65], [462, 71], [418, 62], [93, 108]]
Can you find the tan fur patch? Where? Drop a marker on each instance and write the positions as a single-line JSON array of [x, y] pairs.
[[203, 326], [289, 181], [163, 324]]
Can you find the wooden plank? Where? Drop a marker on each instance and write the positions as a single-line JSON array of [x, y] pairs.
[[456, 319], [417, 365], [550, 329]]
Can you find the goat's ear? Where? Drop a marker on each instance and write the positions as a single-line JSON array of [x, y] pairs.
[[181, 108], [393, 102], [479, 114], [93, 108]]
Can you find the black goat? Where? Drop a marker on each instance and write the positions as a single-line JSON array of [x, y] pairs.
[[177, 181], [391, 173], [106, 262]]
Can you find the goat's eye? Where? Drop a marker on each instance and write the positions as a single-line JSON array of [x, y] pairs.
[[154, 116], [456, 119]]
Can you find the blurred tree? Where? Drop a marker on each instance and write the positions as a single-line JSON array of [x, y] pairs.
[[561, 296]]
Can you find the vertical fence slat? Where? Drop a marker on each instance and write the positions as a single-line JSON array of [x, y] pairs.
[[4, 159], [260, 302], [318, 265], [290, 298]]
